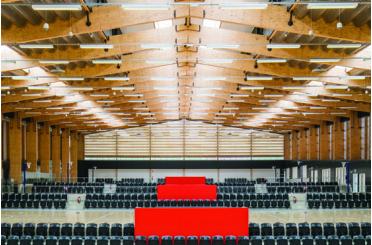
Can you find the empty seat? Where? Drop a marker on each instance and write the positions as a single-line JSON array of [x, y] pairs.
[[127, 240], [66, 229], [128, 230], [42, 229], [205, 240], [316, 229], [91, 229], [104, 229], [307, 240], [64, 240], [256, 240], [320, 240], [269, 240], [192, 240], [243, 240], [229, 240], [278, 229], [179, 240], [346, 240], [17, 229], [359, 240], [341, 229], [354, 229], [102, 240], [254, 229], [328, 229], [291, 229], [217, 240], [153, 240], [77, 240], [333, 240], [140, 240], [90, 240], [12, 240], [38, 240], [266, 229], [281, 240], [79, 229], [366, 229], [5, 229], [166, 240], [116, 229], [29, 229], [294, 240], [51, 240], [25, 240]]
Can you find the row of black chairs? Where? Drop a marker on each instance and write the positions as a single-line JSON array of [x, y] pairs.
[[31, 196], [362, 196], [135, 189], [67, 189], [236, 189], [182, 240], [315, 204], [66, 229], [247, 196], [44, 204], [134, 197], [313, 229], [187, 203], [255, 229]]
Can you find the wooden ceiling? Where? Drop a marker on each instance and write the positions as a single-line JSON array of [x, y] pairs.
[[198, 60]]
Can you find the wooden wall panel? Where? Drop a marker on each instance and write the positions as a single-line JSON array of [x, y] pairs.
[[15, 148], [56, 153], [65, 153], [44, 148], [32, 144]]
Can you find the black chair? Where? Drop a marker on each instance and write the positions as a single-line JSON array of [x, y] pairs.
[[17, 229], [91, 229], [291, 229], [179, 240], [341, 229], [316, 229], [25, 240], [217, 240], [243, 240], [333, 240], [359, 240], [346, 240], [104, 229], [51, 240], [269, 240], [66, 229], [13, 240], [116, 229], [266, 230], [6, 229], [90, 240], [307, 240], [281, 240], [166, 240], [127, 240], [38, 240], [54, 229], [328, 229], [192, 240], [42, 229], [255, 240], [153, 240], [140, 240], [79, 229], [366, 229], [294, 240], [254, 229], [229, 240], [128, 230], [320, 240], [278, 229], [64, 240], [354, 229], [102, 240], [77, 240], [368, 238], [29, 229], [116, 240]]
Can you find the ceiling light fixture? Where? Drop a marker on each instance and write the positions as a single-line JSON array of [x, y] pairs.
[[332, 5], [96, 46], [36, 46], [56, 7]]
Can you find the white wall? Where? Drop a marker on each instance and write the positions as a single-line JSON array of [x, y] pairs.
[[154, 174]]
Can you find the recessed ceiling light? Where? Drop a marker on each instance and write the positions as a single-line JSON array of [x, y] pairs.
[[52, 62], [283, 46], [56, 7], [36, 46], [96, 46], [332, 5], [107, 62]]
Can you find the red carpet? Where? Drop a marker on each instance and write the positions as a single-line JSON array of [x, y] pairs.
[[187, 192], [185, 180], [191, 221]]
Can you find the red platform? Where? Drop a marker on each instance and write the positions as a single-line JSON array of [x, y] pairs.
[[187, 192], [191, 221], [185, 180]]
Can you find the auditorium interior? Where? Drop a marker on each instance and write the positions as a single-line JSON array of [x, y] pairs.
[[185, 122]]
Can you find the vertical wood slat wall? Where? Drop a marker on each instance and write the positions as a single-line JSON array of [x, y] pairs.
[[183, 139], [26, 141], [341, 140]]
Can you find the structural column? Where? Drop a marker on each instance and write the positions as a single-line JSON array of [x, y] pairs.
[[74, 155], [56, 153], [338, 140], [32, 144], [287, 146], [313, 146], [44, 148], [65, 159], [81, 146], [294, 146], [302, 145], [15, 148], [324, 141], [355, 137]]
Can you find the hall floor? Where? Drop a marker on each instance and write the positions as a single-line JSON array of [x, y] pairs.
[[126, 216]]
